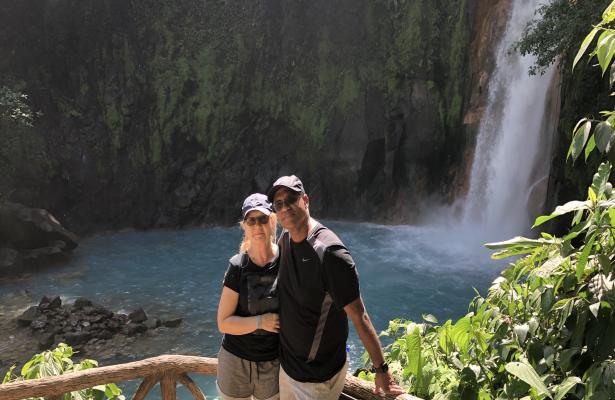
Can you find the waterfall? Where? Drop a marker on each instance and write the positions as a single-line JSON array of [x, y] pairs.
[[513, 145]]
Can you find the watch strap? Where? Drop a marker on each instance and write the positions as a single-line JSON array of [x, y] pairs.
[[383, 368]]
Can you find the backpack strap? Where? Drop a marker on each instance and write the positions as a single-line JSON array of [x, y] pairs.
[[239, 260]]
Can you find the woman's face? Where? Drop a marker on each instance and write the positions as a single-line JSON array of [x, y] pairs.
[[257, 227]]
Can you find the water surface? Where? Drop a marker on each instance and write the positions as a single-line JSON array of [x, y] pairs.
[[404, 272]]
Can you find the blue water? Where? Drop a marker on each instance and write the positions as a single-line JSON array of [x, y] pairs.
[[404, 272]]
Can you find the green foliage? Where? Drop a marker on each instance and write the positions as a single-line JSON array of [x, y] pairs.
[[543, 330], [59, 362], [14, 107], [556, 29], [602, 135]]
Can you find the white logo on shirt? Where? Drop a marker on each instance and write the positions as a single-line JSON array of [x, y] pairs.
[[305, 259]]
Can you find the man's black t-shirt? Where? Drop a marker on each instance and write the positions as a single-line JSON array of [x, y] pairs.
[[317, 280], [257, 288]]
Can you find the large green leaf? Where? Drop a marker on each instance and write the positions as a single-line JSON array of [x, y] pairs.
[[499, 255], [584, 255], [521, 331], [444, 337], [579, 138], [549, 266], [566, 358], [413, 350], [461, 334], [609, 14], [605, 49], [518, 241], [603, 136], [601, 178], [561, 210], [591, 145], [565, 307], [563, 388], [528, 374], [429, 318], [586, 42]]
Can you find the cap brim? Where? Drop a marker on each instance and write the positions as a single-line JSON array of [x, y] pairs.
[[271, 193], [264, 210]]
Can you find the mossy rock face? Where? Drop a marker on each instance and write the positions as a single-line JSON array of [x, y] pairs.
[[168, 113]]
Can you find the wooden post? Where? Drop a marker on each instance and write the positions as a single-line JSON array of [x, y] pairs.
[[146, 385], [189, 384], [168, 386]]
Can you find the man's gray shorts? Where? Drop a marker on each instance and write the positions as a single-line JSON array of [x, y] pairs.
[[291, 389], [240, 379]]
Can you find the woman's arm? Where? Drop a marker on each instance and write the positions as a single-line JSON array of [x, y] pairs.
[[229, 323]]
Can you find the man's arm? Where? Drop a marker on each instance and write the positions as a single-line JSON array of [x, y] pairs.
[[357, 313]]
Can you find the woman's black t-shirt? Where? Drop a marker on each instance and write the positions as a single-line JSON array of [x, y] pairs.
[[257, 288]]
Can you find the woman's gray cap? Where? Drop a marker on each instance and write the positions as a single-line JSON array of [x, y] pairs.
[[256, 201], [289, 182]]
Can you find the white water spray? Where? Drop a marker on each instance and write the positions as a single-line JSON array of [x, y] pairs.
[[514, 140]]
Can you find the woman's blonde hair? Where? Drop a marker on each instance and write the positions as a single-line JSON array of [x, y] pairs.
[[245, 241]]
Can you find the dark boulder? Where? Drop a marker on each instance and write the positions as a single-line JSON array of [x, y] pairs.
[[32, 228], [105, 334], [172, 322], [77, 338], [112, 325], [31, 237], [28, 316], [152, 323], [138, 316], [38, 324], [103, 312], [50, 303], [45, 340], [131, 329], [81, 302]]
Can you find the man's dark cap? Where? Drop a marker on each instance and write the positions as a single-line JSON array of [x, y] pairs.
[[289, 182], [256, 201]]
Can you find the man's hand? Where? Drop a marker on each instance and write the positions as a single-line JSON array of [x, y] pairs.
[[385, 385], [270, 322]]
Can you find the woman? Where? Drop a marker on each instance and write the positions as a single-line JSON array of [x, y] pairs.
[[247, 313]]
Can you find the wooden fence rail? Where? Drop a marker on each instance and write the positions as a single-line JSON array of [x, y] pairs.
[[166, 370]]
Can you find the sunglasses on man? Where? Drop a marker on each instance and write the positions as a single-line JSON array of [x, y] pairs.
[[288, 201]]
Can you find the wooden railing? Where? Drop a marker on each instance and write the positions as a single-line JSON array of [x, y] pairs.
[[167, 369]]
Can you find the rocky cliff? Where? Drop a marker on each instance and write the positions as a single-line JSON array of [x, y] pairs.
[[168, 113]]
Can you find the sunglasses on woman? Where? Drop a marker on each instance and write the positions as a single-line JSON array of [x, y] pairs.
[[260, 220]]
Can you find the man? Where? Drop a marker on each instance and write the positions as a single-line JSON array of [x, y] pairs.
[[318, 288]]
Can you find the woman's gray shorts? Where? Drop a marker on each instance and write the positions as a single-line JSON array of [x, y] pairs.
[[240, 379]]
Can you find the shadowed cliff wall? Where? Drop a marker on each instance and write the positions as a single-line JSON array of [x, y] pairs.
[[169, 113]]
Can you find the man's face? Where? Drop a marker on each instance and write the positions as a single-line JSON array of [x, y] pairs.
[[291, 209]]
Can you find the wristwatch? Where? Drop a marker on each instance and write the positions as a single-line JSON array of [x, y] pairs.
[[383, 368]]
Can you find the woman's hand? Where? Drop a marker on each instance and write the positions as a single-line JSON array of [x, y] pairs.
[[270, 322]]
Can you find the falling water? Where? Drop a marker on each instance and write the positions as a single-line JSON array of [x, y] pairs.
[[514, 139]]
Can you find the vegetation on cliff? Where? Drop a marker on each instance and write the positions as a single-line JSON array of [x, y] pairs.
[[152, 109]]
